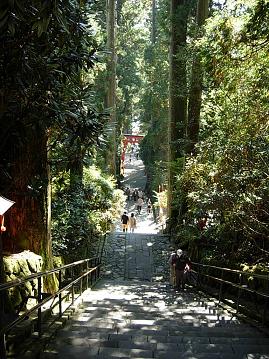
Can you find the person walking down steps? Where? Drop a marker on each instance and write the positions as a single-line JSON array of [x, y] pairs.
[[124, 222], [181, 263], [132, 223]]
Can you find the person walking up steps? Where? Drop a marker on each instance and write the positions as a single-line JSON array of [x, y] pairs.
[[124, 221], [132, 223]]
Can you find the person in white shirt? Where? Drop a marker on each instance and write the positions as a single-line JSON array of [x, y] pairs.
[[132, 222], [139, 204]]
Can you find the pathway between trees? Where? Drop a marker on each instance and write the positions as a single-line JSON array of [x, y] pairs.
[[134, 313]]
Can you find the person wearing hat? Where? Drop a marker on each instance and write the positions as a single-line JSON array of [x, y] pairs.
[[181, 262]]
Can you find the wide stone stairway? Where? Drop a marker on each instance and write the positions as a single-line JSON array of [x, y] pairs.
[[134, 313], [134, 319]]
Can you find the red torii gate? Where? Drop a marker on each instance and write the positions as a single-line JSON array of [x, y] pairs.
[[132, 139]]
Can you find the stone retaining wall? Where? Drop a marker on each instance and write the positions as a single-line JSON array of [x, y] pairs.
[[19, 266]]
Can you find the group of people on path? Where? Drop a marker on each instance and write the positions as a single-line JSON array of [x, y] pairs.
[[180, 265], [133, 193], [130, 222], [138, 196]]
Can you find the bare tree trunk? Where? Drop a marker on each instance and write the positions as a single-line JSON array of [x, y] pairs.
[[111, 83], [178, 91], [27, 220], [153, 27], [119, 6], [195, 96]]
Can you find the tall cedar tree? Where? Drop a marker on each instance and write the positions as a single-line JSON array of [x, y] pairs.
[[195, 95], [179, 12]]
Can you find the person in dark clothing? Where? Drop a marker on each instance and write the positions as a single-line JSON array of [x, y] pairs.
[[172, 267], [124, 221], [182, 263], [135, 195]]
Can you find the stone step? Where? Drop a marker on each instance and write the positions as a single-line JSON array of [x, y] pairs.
[[127, 341], [156, 337], [147, 312], [125, 349], [181, 327]]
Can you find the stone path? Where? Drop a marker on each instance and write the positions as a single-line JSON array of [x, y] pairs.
[[141, 255], [135, 178], [136, 256]]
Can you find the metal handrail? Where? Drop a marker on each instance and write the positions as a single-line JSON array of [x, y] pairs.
[[236, 271], [94, 271], [237, 285], [30, 277]]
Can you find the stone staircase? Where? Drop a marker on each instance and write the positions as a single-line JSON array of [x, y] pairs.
[[135, 319]]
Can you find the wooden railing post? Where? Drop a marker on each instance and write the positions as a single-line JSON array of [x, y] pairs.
[[265, 303], [87, 277], [264, 311], [60, 294], [98, 269], [73, 294], [2, 300], [95, 272], [199, 276], [239, 292], [39, 299], [221, 285]]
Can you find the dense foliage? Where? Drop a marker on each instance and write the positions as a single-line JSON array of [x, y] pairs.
[[227, 182], [81, 218], [48, 51], [221, 194]]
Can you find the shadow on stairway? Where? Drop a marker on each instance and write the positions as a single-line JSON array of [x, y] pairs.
[[134, 319]]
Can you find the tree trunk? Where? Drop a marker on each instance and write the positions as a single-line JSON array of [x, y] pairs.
[[119, 6], [27, 220], [178, 91], [111, 84], [153, 26], [195, 96], [76, 170]]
